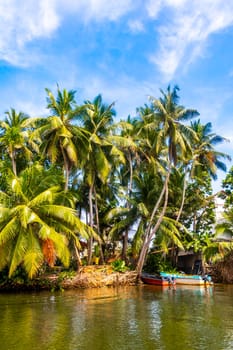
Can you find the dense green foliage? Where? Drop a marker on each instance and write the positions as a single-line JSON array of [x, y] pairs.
[[156, 263], [79, 178]]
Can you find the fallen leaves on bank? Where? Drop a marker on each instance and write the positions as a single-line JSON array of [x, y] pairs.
[[97, 276]]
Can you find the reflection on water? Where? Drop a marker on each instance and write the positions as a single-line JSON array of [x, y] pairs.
[[143, 317]]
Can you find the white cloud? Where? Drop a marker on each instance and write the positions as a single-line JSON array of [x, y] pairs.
[[22, 21], [153, 8], [181, 38], [177, 3], [188, 26], [97, 10], [136, 26], [27, 20]]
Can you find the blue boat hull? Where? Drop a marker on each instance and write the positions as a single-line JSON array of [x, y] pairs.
[[194, 280]]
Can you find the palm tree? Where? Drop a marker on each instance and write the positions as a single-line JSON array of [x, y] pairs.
[[34, 226], [173, 140], [126, 141], [223, 240], [61, 140], [206, 157], [227, 192], [96, 118], [147, 186], [15, 139]]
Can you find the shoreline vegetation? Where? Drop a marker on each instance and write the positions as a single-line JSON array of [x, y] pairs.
[[78, 186], [97, 276], [93, 276]]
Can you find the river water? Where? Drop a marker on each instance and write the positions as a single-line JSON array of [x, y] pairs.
[[141, 317]]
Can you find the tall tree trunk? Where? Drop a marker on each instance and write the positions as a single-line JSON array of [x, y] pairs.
[[98, 227], [13, 161], [79, 261], [174, 251], [126, 233], [66, 169], [90, 241], [125, 245], [151, 231], [183, 198], [195, 222]]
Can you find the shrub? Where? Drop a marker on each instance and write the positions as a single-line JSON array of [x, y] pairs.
[[156, 263], [119, 266]]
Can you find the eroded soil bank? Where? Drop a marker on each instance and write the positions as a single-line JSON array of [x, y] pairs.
[[100, 276], [95, 276], [222, 272]]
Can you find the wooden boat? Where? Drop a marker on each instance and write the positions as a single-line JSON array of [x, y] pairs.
[[156, 280], [193, 280]]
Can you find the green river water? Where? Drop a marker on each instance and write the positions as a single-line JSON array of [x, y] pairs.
[[142, 317]]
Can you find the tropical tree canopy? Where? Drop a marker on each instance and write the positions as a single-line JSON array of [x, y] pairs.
[[79, 177], [15, 137], [62, 141], [34, 226]]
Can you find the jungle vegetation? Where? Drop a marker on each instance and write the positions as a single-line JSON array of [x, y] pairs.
[[82, 182]]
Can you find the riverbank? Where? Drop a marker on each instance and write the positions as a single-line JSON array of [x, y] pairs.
[[95, 276], [100, 276]]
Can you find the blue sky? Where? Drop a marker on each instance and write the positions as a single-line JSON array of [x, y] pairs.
[[126, 50]]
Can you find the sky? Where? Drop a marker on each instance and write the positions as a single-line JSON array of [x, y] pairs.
[[126, 50]]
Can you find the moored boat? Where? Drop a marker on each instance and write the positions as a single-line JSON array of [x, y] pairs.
[[194, 280], [157, 280]]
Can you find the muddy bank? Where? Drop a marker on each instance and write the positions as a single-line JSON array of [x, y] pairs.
[[222, 272], [86, 277], [100, 276]]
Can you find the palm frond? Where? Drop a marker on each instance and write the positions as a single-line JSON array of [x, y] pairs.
[[138, 238], [9, 230], [18, 252], [103, 166], [45, 197], [115, 213], [32, 262], [61, 248], [5, 250]]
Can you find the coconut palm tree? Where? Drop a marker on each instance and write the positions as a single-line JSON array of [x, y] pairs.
[[227, 185], [15, 137], [96, 118], [223, 240], [126, 140], [62, 141], [34, 226], [172, 140], [206, 157]]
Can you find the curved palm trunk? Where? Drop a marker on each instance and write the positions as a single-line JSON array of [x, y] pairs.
[[195, 222], [66, 169], [126, 235], [79, 261], [67, 175], [90, 241], [183, 198], [175, 250], [98, 227], [125, 245], [13, 162], [151, 231]]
